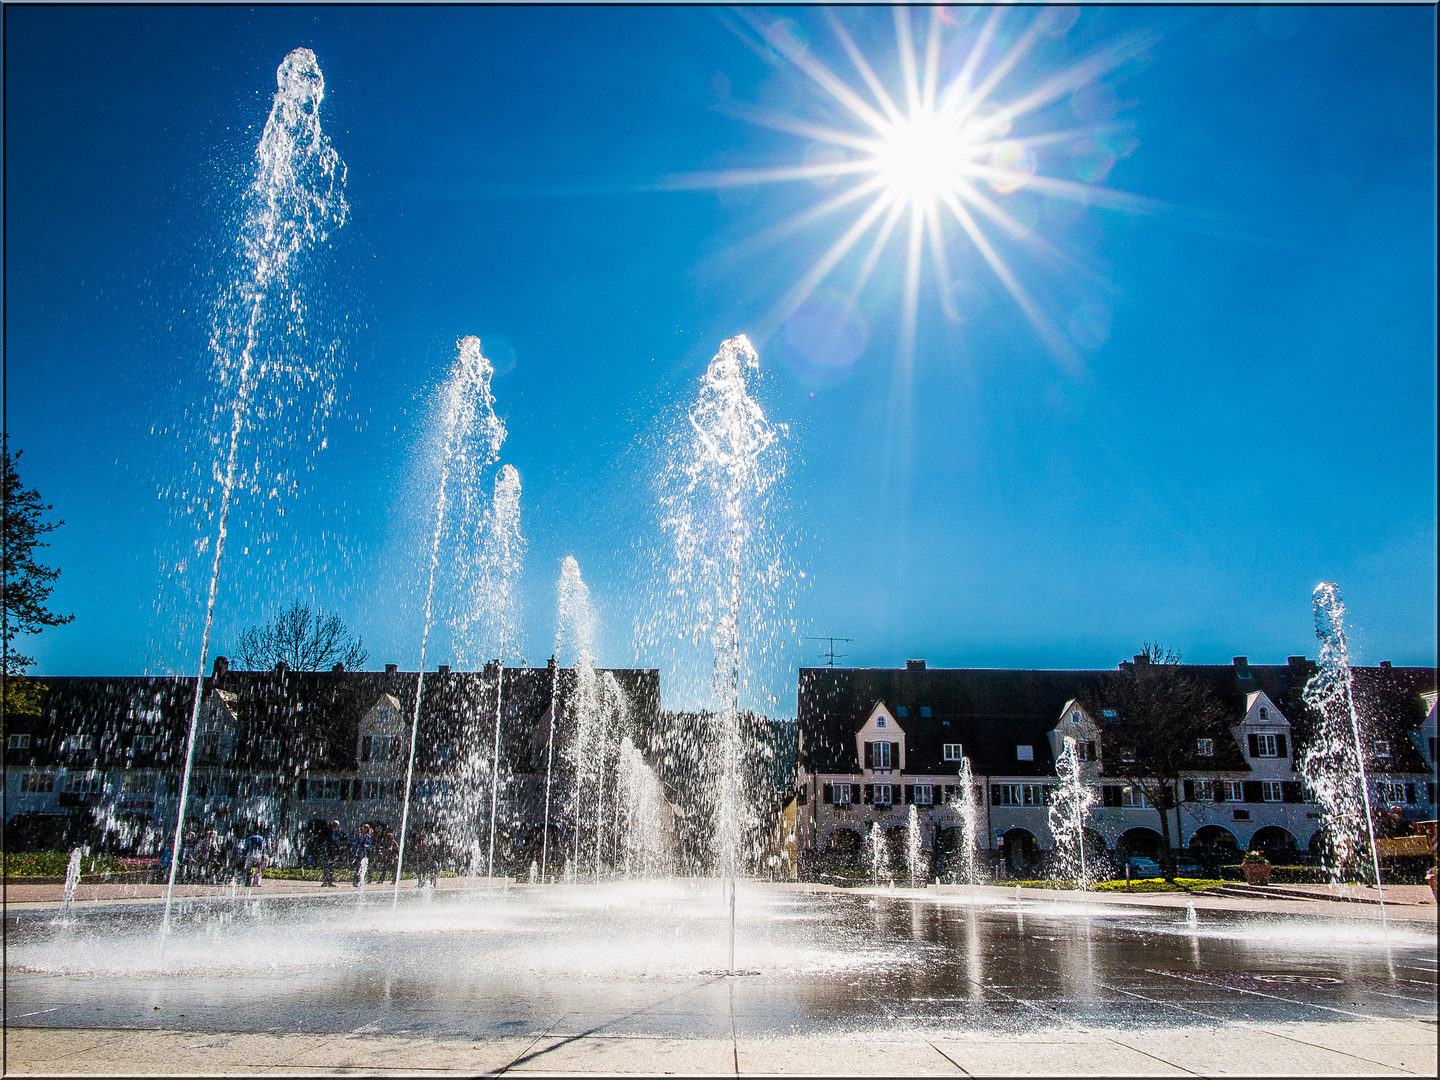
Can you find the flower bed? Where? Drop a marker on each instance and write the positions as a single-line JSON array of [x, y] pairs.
[[47, 864]]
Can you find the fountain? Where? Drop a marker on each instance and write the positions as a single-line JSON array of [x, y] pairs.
[[878, 853], [1072, 802], [505, 539], [470, 439], [913, 851], [1192, 920], [72, 880], [291, 204], [724, 470], [576, 619], [968, 819], [1333, 762]]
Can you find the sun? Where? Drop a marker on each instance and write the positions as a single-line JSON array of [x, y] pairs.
[[929, 165]]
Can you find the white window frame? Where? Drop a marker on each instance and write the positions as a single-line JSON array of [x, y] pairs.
[[1008, 795], [18, 741], [1382, 748], [86, 783], [324, 787], [840, 794], [1205, 747], [1264, 713], [880, 722], [1234, 790], [37, 783], [1266, 745], [1034, 794], [1075, 717], [876, 755], [889, 799], [924, 794], [1271, 792], [1133, 798], [1204, 790], [953, 751]]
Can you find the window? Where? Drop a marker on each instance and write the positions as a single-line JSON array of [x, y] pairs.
[[1075, 718], [37, 783], [1382, 748], [1204, 790], [1234, 791], [1270, 791], [378, 791], [953, 751], [83, 783], [142, 744], [17, 742], [79, 742], [1035, 794], [383, 714], [1264, 713], [1089, 751], [1004, 794], [924, 794], [137, 784], [1025, 752], [1109, 714], [903, 712], [880, 720], [1134, 798], [840, 794], [925, 712], [270, 749], [1127, 753], [1266, 743], [1205, 747], [262, 787], [880, 755], [378, 747], [883, 795], [322, 790]]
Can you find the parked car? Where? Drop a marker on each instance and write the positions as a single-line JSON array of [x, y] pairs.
[[1188, 867], [1140, 867]]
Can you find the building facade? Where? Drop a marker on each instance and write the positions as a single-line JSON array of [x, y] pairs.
[[872, 743]]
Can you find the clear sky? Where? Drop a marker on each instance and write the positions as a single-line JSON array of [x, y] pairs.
[[1236, 399]]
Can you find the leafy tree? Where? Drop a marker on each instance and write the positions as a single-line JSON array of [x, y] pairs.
[[1152, 717], [302, 640], [27, 584]]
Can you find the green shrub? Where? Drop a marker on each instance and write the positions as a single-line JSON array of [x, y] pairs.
[[21, 864], [1149, 885], [1282, 875]]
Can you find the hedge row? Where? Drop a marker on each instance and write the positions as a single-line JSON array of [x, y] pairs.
[[20, 864]]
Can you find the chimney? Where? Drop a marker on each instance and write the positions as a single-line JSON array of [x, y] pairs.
[[1385, 663], [550, 666], [444, 669], [222, 665], [1141, 659], [914, 665], [1294, 662], [492, 667], [338, 668], [281, 667], [1242, 666], [390, 669]]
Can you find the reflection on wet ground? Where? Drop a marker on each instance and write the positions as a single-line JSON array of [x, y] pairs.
[[631, 959]]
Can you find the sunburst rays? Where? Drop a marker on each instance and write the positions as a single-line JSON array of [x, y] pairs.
[[929, 165]]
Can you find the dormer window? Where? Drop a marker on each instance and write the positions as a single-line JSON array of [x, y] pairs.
[[1264, 713], [1205, 747], [1075, 718], [954, 751], [382, 714], [925, 712], [880, 720], [1109, 714], [903, 712], [1382, 748], [1025, 752]]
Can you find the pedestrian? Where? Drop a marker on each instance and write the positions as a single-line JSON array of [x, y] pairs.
[[329, 853], [425, 860], [387, 855], [254, 860]]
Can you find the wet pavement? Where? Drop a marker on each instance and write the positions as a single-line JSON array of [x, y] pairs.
[[639, 961]]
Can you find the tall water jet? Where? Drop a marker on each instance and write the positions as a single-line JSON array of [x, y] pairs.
[[913, 851], [72, 881], [470, 439], [968, 820], [727, 467], [575, 622], [508, 547], [878, 851], [1072, 802], [292, 202], [1333, 762]]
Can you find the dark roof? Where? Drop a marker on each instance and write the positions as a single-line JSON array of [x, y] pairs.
[[990, 710], [314, 715]]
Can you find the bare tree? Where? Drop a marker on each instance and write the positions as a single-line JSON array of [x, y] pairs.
[[1152, 719], [303, 641]]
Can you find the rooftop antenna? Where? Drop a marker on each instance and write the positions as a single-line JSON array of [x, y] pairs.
[[830, 655]]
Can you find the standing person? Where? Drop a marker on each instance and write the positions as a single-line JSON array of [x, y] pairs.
[[329, 853], [387, 855], [254, 860], [425, 858], [364, 840]]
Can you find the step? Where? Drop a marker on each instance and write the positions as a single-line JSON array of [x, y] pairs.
[[1279, 892]]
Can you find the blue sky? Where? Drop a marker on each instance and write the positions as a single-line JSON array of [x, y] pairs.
[[1245, 404]]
